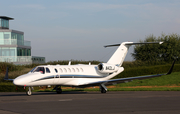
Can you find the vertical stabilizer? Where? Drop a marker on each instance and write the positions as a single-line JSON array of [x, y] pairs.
[[119, 55]]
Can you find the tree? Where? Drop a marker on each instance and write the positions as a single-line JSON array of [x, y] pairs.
[[167, 51]]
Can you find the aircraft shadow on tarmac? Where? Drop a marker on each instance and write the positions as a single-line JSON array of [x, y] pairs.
[[41, 93]]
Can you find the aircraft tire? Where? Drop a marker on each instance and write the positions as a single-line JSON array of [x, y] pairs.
[[59, 90], [103, 90], [28, 92]]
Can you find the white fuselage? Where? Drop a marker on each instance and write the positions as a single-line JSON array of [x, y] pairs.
[[68, 75]]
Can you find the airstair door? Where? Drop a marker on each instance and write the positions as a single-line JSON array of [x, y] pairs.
[[56, 76]]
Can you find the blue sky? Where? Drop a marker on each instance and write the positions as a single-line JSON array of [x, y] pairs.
[[65, 30]]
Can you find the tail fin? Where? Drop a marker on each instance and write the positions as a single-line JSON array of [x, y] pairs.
[[119, 55]]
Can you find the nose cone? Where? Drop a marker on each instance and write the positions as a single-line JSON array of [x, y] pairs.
[[20, 81]]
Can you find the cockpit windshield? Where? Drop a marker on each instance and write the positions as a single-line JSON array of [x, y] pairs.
[[38, 69], [33, 69]]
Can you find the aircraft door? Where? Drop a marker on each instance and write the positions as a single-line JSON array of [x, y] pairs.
[[56, 76]]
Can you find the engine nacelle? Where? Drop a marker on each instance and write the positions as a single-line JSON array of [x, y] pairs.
[[107, 68]]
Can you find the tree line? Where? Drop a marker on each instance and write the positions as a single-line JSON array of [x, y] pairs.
[[166, 52]]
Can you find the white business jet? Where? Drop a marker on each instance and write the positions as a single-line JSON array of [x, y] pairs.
[[80, 75]]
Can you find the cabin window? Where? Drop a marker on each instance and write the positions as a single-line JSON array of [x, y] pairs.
[[39, 69], [47, 70], [65, 70], [73, 69], [81, 69], [60, 70], [77, 69], [56, 70], [69, 69]]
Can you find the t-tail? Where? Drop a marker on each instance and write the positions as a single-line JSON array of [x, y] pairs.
[[119, 55]]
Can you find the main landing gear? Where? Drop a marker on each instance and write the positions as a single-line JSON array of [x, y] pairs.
[[103, 88], [58, 89]]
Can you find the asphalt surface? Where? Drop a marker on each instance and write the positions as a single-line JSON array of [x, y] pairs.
[[142, 102]]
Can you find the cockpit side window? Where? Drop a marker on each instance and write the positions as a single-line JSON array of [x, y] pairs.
[[56, 70], [47, 70], [40, 69]]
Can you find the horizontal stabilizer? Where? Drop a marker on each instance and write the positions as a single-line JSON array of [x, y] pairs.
[[131, 43]]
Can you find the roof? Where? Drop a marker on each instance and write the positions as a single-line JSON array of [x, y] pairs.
[[7, 18]]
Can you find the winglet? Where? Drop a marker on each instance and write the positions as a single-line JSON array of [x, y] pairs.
[[69, 63], [6, 75], [170, 70]]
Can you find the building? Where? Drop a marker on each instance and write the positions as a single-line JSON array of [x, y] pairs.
[[13, 47]]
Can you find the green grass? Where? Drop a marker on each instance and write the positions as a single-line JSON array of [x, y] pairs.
[[147, 70], [166, 80]]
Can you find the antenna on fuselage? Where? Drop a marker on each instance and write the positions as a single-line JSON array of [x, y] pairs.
[[69, 63]]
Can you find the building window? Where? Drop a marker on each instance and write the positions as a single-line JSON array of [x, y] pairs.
[[28, 52], [13, 35], [5, 51], [2, 23], [6, 36], [12, 52], [0, 52]]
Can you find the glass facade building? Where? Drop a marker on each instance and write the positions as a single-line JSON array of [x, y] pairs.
[[13, 47]]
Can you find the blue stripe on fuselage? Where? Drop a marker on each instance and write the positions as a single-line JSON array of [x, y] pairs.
[[69, 76]]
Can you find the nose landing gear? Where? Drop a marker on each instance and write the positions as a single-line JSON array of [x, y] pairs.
[[29, 92]]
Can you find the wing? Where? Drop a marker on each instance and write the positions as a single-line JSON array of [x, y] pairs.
[[123, 80]]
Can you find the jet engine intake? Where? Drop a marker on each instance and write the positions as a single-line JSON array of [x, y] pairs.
[[107, 68]]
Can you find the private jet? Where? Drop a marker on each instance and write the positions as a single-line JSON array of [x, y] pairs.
[[81, 75]]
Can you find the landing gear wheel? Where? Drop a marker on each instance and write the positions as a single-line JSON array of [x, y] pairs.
[[28, 92], [103, 90], [59, 90]]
